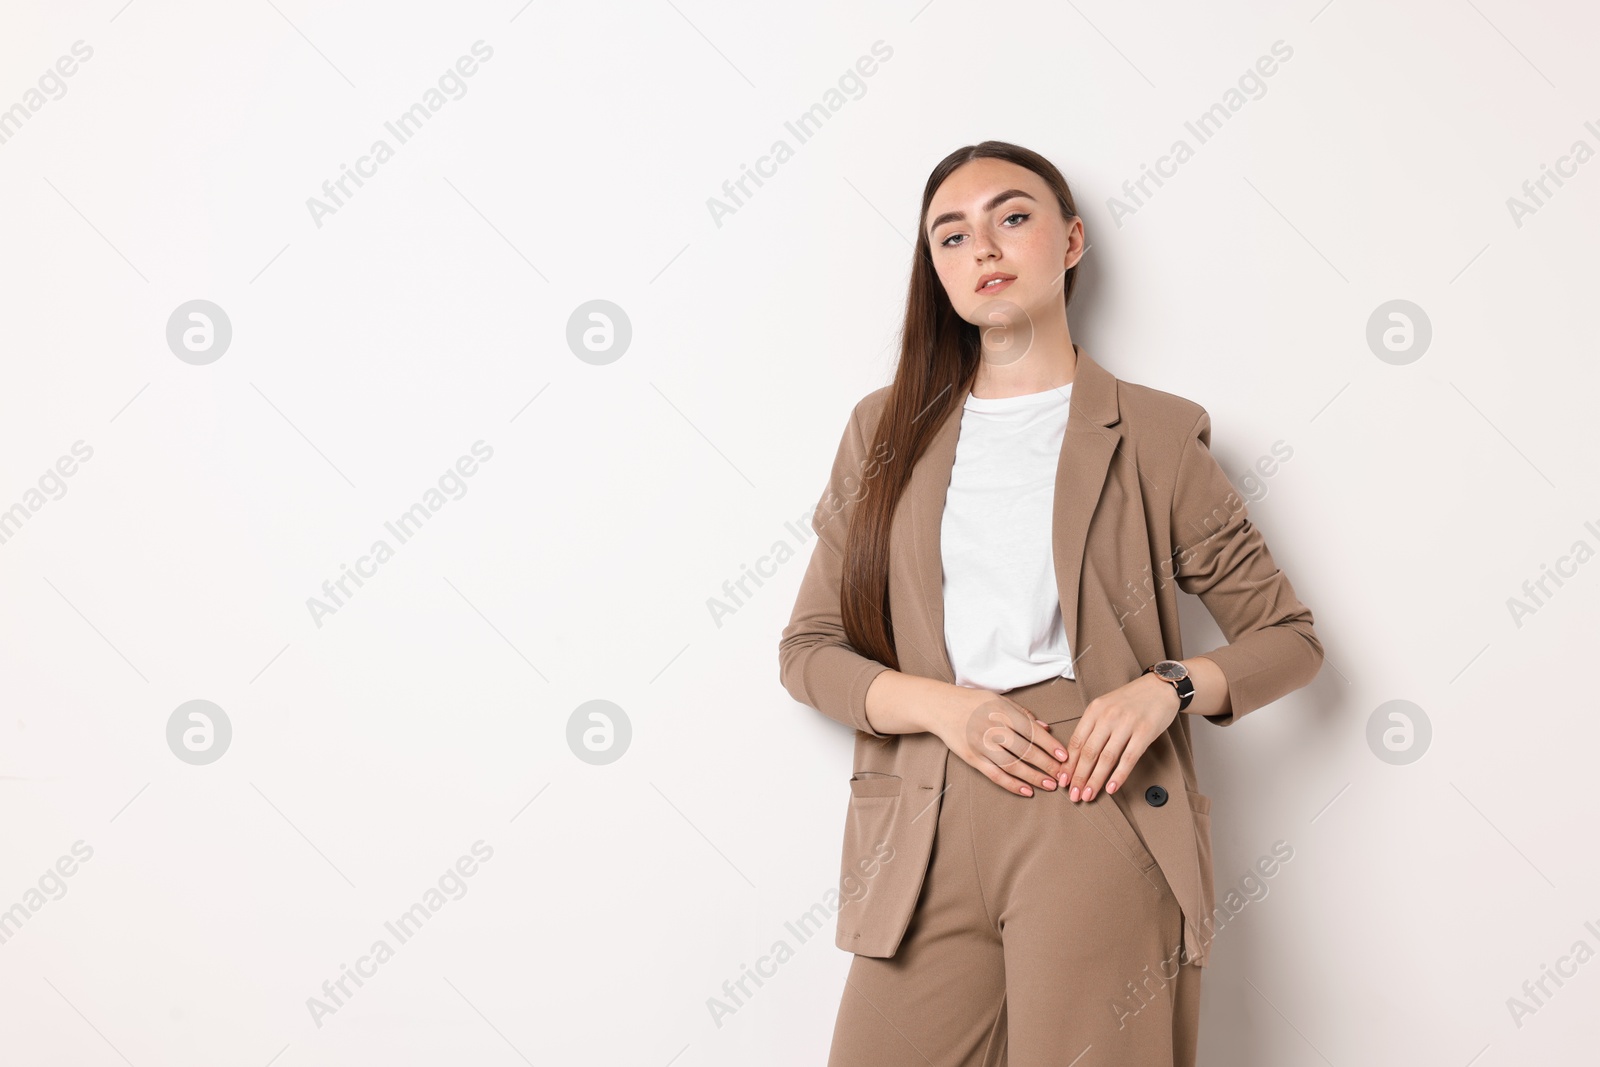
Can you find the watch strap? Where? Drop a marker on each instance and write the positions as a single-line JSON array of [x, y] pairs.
[[1184, 686]]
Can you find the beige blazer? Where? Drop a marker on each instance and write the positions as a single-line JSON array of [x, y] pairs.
[[1139, 502]]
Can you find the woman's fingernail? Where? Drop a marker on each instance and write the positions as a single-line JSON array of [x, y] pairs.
[[1061, 753], [1074, 792], [1027, 792], [1111, 786], [1048, 783]]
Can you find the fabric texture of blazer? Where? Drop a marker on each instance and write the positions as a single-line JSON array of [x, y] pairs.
[[1141, 510]]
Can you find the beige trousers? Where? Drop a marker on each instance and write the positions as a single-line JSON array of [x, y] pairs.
[[1044, 934]]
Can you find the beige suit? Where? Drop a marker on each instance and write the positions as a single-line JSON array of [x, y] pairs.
[[1139, 501]]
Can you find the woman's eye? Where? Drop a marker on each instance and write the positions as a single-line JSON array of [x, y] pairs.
[[1024, 215]]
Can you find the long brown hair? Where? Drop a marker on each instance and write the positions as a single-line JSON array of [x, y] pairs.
[[939, 357]]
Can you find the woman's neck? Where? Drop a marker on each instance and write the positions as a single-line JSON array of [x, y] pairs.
[[1032, 374]]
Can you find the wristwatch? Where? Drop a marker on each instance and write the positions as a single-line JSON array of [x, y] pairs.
[[1170, 670]]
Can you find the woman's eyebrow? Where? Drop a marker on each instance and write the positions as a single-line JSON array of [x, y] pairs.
[[960, 216]]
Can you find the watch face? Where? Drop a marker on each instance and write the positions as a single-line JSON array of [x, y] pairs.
[[1171, 670]]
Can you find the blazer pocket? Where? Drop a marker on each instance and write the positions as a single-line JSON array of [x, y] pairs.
[[864, 784], [1200, 804]]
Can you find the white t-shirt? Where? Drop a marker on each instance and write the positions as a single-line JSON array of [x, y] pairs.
[[1002, 608]]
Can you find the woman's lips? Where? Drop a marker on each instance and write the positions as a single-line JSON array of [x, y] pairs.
[[997, 286]]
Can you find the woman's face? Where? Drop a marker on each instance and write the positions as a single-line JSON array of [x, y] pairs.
[[989, 218]]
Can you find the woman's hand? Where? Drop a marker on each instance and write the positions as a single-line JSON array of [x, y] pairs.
[[1001, 739], [1114, 732]]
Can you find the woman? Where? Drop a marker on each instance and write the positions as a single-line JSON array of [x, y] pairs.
[[1026, 874]]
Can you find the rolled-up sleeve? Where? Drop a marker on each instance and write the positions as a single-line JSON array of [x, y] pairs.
[[1222, 557], [815, 661]]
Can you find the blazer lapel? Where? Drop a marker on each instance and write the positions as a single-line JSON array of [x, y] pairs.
[[1086, 449]]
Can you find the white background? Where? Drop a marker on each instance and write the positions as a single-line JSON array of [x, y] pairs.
[[431, 311]]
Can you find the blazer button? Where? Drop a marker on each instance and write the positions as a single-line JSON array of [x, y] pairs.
[[1155, 796]]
